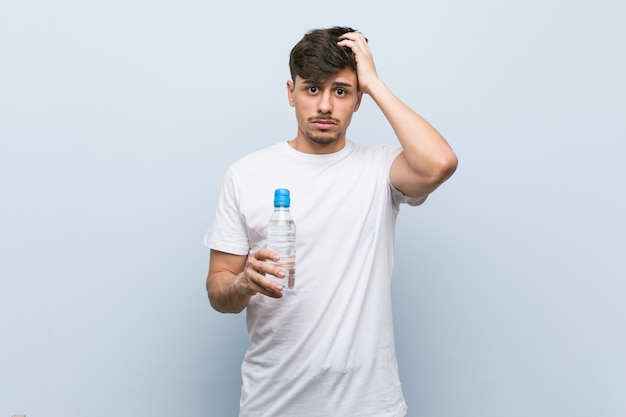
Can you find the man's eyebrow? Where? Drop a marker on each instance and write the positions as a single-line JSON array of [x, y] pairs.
[[342, 84], [335, 83]]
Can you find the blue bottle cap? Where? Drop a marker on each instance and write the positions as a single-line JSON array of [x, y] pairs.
[[281, 198]]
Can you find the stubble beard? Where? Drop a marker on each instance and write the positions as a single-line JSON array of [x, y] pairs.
[[322, 140]]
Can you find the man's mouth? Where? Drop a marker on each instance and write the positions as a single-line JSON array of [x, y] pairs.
[[323, 123]]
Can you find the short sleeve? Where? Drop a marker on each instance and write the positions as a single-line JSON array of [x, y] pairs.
[[227, 232], [397, 195]]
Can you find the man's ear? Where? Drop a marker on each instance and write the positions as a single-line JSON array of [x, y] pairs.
[[359, 96], [290, 88]]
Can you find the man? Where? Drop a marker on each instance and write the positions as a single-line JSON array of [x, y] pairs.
[[326, 347]]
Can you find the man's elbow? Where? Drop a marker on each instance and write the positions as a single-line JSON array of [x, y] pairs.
[[446, 166], [440, 170]]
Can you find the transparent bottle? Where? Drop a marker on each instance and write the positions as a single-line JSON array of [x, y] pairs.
[[281, 238]]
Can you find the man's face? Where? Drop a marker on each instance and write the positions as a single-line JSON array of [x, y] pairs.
[[324, 110]]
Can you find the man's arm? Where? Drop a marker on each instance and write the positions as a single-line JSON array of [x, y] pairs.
[[233, 279], [427, 160]]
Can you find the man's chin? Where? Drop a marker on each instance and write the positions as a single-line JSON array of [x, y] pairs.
[[323, 140]]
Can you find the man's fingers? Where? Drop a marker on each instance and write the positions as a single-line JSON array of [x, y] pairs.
[[265, 254], [254, 278], [353, 39]]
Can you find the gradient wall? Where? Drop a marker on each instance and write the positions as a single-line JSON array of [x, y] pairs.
[[118, 119]]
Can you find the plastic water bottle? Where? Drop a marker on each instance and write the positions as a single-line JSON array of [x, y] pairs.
[[281, 238]]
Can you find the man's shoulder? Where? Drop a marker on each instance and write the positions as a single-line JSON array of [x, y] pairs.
[[375, 149], [260, 155]]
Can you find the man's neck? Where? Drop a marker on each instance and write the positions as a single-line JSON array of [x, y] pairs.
[[306, 145]]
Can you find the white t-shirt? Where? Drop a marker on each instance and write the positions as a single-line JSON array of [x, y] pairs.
[[326, 348]]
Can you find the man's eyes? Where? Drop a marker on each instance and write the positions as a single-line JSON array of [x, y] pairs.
[[339, 91]]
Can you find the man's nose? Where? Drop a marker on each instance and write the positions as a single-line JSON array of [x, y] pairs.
[[325, 103]]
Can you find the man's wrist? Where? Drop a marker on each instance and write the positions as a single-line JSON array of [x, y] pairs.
[[374, 87]]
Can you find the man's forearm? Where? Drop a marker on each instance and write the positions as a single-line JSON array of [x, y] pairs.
[[428, 156], [223, 293], [418, 138]]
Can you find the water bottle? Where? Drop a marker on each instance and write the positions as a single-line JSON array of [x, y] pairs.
[[281, 238]]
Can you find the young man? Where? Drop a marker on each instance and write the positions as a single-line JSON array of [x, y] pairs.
[[325, 348]]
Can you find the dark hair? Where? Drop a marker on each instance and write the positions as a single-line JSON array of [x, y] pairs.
[[318, 57]]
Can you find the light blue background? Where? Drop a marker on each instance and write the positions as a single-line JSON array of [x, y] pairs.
[[118, 119]]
